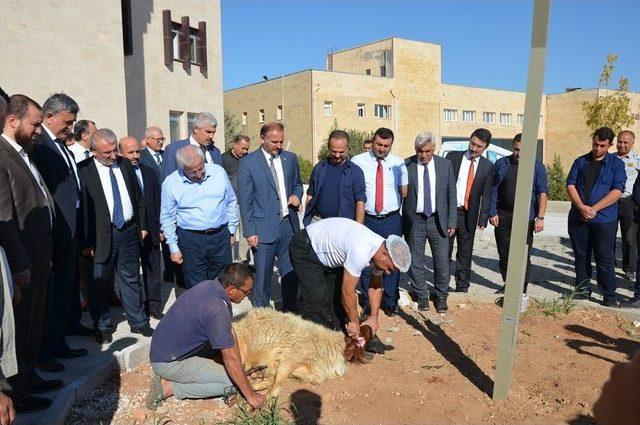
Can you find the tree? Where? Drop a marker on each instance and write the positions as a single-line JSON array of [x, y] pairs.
[[557, 180], [306, 167], [356, 138], [231, 124], [612, 110]]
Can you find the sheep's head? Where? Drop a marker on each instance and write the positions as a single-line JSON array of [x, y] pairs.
[[354, 352]]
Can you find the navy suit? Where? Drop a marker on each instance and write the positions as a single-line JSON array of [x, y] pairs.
[[63, 303], [150, 161], [261, 215], [169, 163]]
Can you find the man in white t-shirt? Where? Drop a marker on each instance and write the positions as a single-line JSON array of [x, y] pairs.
[[329, 256]]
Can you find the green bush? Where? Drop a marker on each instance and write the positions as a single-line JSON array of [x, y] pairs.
[[306, 167], [356, 138], [557, 180]]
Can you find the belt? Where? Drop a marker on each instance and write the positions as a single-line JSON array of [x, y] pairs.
[[383, 216], [125, 226], [463, 209], [208, 231]]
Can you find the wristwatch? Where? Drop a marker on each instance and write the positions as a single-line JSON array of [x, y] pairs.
[[540, 218]]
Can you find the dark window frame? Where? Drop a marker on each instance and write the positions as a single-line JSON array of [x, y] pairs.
[[187, 35]]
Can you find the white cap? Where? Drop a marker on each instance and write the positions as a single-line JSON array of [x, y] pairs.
[[399, 252]]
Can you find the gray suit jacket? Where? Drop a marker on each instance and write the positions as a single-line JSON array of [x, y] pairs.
[[445, 194]]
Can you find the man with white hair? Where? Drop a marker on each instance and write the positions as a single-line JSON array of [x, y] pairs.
[[330, 255], [204, 128], [152, 154], [115, 224], [199, 216]]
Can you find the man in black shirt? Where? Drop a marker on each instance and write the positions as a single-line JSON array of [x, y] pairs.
[[231, 163]]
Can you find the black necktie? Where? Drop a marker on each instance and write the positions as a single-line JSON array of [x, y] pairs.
[[204, 153], [68, 160]]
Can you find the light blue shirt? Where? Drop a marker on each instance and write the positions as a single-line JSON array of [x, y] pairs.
[[631, 167], [394, 175], [202, 205]]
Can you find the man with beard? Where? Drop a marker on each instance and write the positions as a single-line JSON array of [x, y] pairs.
[[231, 164], [336, 186], [26, 219]]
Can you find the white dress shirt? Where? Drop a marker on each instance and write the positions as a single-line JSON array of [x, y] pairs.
[[79, 152], [34, 170], [631, 167], [461, 184], [277, 162], [138, 171], [394, 175], [431, 169], [105, 180], [207, 154], [157, 156]]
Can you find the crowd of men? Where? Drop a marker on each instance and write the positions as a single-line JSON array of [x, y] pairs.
[[90, 220]]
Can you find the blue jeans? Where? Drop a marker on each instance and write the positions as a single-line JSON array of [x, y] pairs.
[[124, 262], [601, 239], [264, 258], [391, 225], [204, 256]]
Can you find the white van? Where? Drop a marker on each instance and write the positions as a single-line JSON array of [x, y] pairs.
[[492, 153]]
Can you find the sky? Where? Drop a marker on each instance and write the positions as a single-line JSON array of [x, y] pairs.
[[485, 43]]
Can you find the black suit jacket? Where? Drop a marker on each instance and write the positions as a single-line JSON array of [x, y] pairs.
[[445, 194], [96, 216], [151, 194], [150, 161], [60, 180], [480, 196]]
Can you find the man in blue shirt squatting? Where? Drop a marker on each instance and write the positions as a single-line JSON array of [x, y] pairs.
[[199, 216], [196, 328], [595, 182], [336, 186], [503, 197]]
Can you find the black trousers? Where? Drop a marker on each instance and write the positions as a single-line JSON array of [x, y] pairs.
[[628, 228], [464, 238], [320, 287], [151, 275], [503, 240]]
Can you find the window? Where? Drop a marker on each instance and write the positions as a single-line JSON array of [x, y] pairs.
[[244, 118], [383, 71], [505, 119], [382, 111], [175, 40], [328, 108], [367, 72], [360, 110], [279, 112], [191, 117], [520, 119], [488, 117], [184, 43], [175, 125], [193, 44], [451, 115], [261, 115], [469, 116]]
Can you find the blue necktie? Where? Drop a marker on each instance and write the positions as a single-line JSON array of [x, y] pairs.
[[118, 214], [426, 189]]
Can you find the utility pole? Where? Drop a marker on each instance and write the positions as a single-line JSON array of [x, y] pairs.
[[518, 246]]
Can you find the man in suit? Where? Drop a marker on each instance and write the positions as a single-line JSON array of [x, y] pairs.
[[151, 155], [81, 145], [26, 223], [148, 188], [114, 222], [385, 176], [270, 192], [204, 128], [3, 111], [474, 181], [231, 164], [429, 214], [336, 186], [58, 169]]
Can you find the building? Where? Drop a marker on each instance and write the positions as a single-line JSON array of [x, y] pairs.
[[129, 64], [397, 83]]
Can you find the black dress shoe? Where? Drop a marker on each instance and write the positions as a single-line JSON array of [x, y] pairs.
[[463, 290], [156, 315], [46, 385], [390, 311], [79, 330], [611, 303], [104, 337], [70, 353], [423, 304], [441, 306], [32, 404], [634, 303], [51, 366], [145, 330]]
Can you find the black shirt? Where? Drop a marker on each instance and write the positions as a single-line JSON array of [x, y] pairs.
[[590, 175], [328, 202], [231, 164], [507, 188]]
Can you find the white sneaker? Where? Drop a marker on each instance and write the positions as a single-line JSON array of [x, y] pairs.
[[524, 303]]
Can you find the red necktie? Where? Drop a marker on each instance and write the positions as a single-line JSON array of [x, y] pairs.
[[467, 193], [379, 188]]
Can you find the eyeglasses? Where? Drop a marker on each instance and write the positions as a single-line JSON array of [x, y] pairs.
[[159, 139], [246, 293]]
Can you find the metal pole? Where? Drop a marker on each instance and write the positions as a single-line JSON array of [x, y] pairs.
[[518, 247]]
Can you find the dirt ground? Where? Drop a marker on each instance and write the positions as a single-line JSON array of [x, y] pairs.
[[441, 372]]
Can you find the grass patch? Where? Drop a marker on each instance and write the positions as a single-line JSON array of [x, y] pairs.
[[555, 307], [272, 414]]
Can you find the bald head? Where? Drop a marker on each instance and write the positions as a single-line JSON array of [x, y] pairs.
[[129, 147], [154, 139]]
